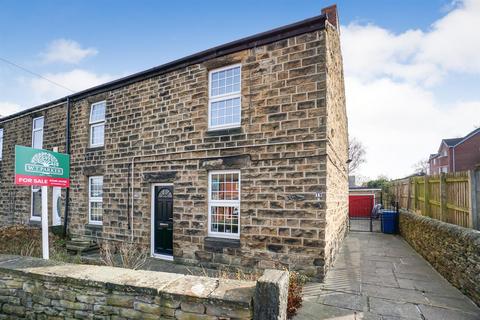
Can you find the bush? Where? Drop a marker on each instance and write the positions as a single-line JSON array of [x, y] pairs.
[[124, 255], [295, 288]]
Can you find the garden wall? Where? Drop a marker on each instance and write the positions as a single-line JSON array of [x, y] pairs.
[[35, 288], [452, 250]]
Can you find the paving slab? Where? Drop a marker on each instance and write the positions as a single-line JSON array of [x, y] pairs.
[[380, 277]]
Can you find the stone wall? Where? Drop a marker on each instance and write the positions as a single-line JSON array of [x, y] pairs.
[[337, 148], [452, 250], [37, 289]]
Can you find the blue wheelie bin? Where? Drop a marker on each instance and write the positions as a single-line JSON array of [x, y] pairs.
[[390, 222]]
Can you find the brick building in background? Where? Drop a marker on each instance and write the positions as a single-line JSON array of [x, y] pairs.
[[236, 155], [457, 154]]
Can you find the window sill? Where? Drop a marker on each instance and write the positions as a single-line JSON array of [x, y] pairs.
[[35, 222], [220, 243], [224, 131], [93, 226], [93, 149]]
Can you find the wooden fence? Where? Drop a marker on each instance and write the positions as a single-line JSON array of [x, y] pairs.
[[449, 197]]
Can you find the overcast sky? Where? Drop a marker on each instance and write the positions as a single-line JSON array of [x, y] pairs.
[[412, 68]]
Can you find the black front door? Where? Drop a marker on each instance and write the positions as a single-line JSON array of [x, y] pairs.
[[163, 216]]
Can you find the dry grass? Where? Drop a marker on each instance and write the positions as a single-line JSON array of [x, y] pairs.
[[124, 255], [228, 272], [27, 241]]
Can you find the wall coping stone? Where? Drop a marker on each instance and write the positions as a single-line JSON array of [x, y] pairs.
[[271, 295]]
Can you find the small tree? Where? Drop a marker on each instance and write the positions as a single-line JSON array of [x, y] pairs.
[[382, 182], [421, 167], [356, 155]]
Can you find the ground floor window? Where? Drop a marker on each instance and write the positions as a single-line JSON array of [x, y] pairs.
[[224, 204], [95, 200], [36, 203]]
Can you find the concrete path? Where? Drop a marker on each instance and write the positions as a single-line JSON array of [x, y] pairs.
[[378, 276]]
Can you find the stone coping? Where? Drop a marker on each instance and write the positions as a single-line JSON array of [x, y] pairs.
[[121, 279], [468, 234]]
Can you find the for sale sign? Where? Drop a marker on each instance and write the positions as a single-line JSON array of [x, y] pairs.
[[38, 167]]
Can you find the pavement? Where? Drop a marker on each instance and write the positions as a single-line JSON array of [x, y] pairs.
[[379, 276]]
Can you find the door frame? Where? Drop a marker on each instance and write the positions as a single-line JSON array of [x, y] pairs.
[[152, 223]]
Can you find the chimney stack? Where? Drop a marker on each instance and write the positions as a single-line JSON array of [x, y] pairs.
[[332, 16]]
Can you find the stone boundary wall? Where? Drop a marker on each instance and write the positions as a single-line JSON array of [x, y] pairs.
[[33, 288], [452, 250]]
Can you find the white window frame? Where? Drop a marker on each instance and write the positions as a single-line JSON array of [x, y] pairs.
[[228, 203], [226, 96], [34, 190], [36, 130], [1, 144], [94, 199], [97, 123]]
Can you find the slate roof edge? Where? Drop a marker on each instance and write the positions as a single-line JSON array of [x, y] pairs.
[[259, 39]]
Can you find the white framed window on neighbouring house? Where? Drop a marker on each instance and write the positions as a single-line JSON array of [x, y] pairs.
[[224, 107], [95, 200], [1, 143], [97, 124], [224, 204]]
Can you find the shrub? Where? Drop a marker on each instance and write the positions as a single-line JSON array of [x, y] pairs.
[[124, 255], [295, 288]]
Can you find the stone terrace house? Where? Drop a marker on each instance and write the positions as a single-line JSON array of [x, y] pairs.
[[236, 155]]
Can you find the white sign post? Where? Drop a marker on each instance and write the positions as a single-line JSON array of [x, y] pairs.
[[37, 167], [45, 222]]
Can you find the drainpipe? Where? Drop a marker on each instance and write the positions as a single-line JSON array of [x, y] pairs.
[[67, 151], [132, 165], [453, 156]]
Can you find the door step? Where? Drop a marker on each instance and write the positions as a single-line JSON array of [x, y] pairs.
[[81, 245]]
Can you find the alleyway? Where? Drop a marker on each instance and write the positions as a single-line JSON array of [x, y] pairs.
[[378, 276]]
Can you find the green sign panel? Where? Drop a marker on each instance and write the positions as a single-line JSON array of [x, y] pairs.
[[38, 167]]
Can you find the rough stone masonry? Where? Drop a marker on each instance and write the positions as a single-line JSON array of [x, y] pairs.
[[290, 150], [32, 288], [452, 250]]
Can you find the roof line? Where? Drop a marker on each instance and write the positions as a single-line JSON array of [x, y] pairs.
[[259, 39], [468, 136]]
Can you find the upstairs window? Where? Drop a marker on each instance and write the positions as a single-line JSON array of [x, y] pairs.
[[95, 200], [1, 144], [37, 133], [224, 204], [97, 124], [224, 98]]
